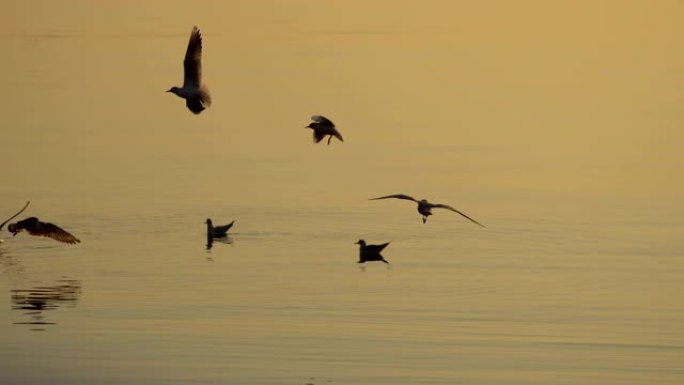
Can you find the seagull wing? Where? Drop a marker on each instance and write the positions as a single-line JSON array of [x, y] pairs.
[[224, 228], [398, 196], [323, 120], [441, 206], [318, 135], [15, 215], [336, 134], [376, 248], [193, 61], [55, 232]]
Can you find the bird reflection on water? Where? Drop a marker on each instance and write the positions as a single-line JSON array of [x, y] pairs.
[[225, 239], [36, 300]]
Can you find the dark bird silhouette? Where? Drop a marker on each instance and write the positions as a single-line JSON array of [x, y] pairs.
[[425, 207], [44, 229], [368, 253], [323, 127], [15, 215], [218, 231], [194, 92]]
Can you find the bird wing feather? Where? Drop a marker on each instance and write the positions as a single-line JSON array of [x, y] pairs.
[[377, 248], [224, 228], [442, 206], [55, 232], [193, 60], [398, 196], [322, 119], [318, 135], [337, 134]]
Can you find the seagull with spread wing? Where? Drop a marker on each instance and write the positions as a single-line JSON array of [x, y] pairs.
[[196, 95], [323, 127], [425, 207], [35, 227]]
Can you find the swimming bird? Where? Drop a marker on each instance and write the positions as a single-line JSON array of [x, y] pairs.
[[218, 231], [14, 216], [369, 253], [194, 92], [35, 227], [425, 207], [322, 127]]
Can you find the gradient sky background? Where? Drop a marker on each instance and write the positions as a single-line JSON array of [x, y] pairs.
[[490, 102]]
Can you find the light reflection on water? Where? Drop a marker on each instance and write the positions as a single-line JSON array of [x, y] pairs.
[[285, 300]]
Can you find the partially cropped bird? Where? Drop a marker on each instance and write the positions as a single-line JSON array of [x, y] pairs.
[[194, 92], [323, 127], [368, 253], [45, 229], [14, 216], [217, 231], [425, 207]]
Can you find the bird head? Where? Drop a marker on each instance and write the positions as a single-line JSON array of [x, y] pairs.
[[208, 221], [12, 228], [309, 126], [361, 242], [173, 89]]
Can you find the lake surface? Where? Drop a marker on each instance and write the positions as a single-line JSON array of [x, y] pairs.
[[565, 144]]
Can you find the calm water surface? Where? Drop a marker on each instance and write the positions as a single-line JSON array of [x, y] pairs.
[[520, 302]]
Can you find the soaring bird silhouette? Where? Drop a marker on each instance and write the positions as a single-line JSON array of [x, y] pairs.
[[194, 92], [45, 229], [323, 127], [425, 207], [368, 253]]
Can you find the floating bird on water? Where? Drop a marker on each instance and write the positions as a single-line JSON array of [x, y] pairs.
[[45, 229], [425, 207], [14, 216], [368, 253], [218, 231], [196, 95], [322, 127]]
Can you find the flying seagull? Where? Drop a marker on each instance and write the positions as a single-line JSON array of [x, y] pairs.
[[217, 231], [322, 127], [14, 216], [45, 229], [425, 207], [369, 253], [196, 95]]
